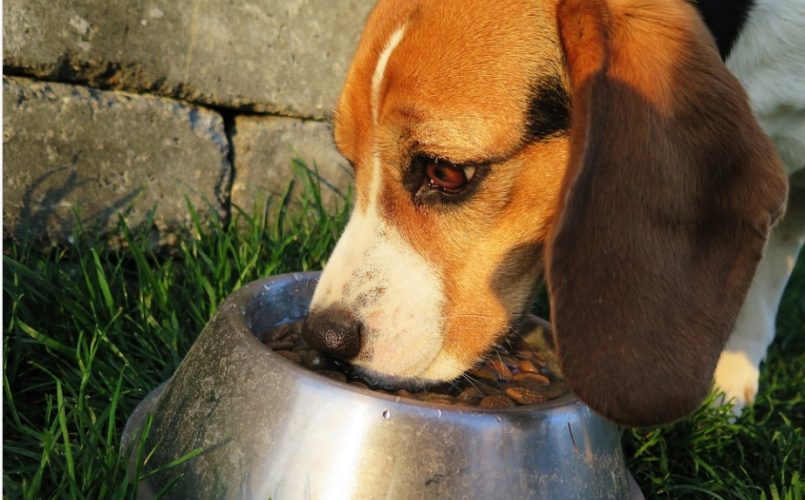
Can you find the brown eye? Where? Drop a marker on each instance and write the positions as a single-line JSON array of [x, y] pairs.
[[447, 176]]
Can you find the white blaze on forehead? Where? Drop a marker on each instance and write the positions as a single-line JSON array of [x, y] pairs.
[[375, 274], [377, 83], [380, 70]]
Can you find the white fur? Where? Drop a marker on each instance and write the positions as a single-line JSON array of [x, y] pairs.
[[739, 367], [391, 289], [769, 60], [380, 70]]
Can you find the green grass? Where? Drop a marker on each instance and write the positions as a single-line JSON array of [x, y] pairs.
[[762, 453], [89, 332]]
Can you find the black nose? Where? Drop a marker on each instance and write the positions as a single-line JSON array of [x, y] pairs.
[[333, 331]]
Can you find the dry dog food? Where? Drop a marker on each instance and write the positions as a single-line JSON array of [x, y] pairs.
[[517, 374]]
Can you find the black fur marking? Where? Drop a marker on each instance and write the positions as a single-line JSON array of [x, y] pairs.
[[725, 19], [548, 111]]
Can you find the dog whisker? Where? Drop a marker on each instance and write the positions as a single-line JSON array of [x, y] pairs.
[[471, 380]]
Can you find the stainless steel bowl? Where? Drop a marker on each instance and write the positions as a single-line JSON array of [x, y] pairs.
[[271, 429]]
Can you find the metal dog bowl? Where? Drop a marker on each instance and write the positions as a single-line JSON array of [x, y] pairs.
[[272, 429]]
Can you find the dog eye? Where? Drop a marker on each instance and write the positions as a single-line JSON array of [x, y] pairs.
[[448, 177]]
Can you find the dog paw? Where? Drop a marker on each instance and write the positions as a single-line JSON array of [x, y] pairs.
[[737, 377]]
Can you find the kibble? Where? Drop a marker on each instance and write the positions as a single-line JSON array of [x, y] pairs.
[[470, 396], [526, 365], [512, 376], [290, 356], [524, 395], [496, 402], [503, 371], [280, 345], [535, 378]]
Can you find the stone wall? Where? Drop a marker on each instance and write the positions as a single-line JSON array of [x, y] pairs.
[[133, 105]]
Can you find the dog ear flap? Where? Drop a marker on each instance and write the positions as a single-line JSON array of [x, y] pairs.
[[670, 193]]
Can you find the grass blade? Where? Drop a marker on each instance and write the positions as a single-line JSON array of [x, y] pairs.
[[68, 449]]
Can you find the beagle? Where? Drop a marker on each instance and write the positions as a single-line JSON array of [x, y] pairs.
[[603, 142]]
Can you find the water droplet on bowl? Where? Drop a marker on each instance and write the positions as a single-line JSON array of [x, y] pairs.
[[386, 414]]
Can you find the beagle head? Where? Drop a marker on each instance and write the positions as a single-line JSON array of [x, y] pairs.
[[603, 141]]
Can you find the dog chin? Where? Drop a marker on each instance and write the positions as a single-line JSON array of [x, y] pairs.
[[443, 370]]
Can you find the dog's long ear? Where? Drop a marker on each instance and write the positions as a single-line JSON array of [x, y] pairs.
[[670, 193]]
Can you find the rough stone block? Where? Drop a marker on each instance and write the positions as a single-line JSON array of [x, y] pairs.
[[281, 56], [72, 148], [264, 150]]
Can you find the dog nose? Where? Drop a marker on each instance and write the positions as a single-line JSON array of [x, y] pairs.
[[333, 331]]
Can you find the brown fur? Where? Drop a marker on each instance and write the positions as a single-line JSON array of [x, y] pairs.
[[653, 211], [671, 191], [432, 103]]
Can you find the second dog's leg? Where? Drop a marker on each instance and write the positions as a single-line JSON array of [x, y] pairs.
[[739, 366]]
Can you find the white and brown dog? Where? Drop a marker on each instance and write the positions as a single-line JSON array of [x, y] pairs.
[[603, 141]]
